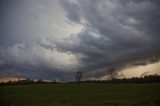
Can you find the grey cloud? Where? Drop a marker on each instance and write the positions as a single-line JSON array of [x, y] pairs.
[[116, 34], [126, 31], [33, 72], [34, 62], [22, 24], [73, 11]]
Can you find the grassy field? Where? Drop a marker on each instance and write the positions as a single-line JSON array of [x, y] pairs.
[[87, 94]]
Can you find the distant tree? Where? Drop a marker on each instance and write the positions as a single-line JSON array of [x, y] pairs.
[[40, 81], [78, 76], [143, 75], [53, 81], [19, 79], [112, 72]]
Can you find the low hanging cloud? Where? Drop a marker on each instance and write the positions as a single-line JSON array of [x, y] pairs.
[[36, 62], [114, 32], [48, 42], [22, 28]]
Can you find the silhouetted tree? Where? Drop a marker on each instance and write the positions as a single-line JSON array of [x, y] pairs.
[[78, 76], [112, 73]]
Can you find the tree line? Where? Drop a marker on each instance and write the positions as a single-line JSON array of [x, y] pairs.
[[146, 79], [78, 76]]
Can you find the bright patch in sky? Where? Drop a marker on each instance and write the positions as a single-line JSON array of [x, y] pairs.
[[137, 71]]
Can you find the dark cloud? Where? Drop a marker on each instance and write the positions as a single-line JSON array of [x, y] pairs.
[[74, 10], [116, 31], [13, 26], [34, 62], [33, 72], [116, 34], [22, 24]]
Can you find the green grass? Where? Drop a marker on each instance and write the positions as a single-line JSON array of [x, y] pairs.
[[88, 94]]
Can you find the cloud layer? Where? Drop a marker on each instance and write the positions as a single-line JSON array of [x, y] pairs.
[[53, 40], [114, 31]]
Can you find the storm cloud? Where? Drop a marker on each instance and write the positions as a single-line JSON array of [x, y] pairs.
[[54, 39], [115, 32]]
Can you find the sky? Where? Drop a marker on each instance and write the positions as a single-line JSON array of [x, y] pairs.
[[53, 39]]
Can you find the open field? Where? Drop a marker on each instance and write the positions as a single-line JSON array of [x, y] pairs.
[[85, 94]]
